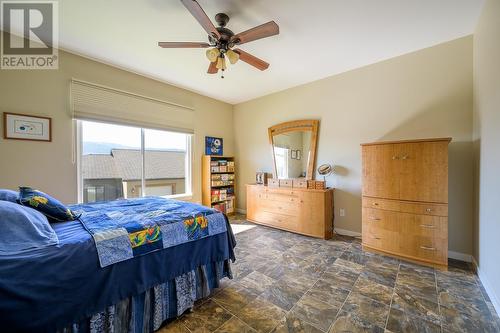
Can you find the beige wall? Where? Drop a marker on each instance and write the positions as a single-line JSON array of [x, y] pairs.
[[423, 94], [487, 150], [48, 166]]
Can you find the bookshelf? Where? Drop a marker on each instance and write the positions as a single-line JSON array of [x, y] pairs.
[[218, 182]]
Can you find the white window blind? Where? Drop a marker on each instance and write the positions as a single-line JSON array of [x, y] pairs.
[[99, 103]]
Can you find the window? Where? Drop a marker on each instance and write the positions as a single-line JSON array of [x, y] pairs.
[[119, 161]]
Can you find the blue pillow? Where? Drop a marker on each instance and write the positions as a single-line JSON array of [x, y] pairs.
[[8, 195], [23, 228], [44, 203]]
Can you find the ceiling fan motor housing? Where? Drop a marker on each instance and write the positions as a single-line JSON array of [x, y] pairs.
[[223, 42]]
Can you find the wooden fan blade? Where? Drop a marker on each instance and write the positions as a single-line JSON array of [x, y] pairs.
[[262, 31], [212, 69], [183, 45], [252, 60], [202, 18]]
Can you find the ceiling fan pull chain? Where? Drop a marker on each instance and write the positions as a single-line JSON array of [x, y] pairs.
[[222, 76]]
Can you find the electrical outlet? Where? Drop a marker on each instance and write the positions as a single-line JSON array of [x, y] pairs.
[[342, 212]]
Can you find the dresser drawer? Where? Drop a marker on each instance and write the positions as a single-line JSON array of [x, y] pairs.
[[300, 183], [286, 183], [424, 208], [286, 207], [274, 182], [279, 197], [276, 220], [381, 204]]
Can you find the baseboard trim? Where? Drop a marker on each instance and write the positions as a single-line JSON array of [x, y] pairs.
[[460, 256], [495, 300], [345, 232], [241, 211]]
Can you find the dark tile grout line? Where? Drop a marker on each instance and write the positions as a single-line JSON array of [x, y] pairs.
[[392, 296], [438, 302]]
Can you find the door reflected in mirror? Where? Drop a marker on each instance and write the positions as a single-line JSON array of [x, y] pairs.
[[291, 154]]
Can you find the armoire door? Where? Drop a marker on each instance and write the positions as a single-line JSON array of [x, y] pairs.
[[380, 170], [424, 171]]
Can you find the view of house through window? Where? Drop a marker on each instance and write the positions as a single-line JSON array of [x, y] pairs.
[[112, 162]]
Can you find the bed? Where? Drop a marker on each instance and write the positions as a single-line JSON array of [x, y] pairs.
[[76, 286]]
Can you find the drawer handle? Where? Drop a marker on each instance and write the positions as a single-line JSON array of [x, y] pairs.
[[395, 157], [375, 203], [428, 210], [405, 157], [375, 219], [377, 238], [428, 248], [427, 226]]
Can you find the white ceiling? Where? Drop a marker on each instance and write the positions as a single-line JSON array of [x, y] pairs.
[[318, 38]]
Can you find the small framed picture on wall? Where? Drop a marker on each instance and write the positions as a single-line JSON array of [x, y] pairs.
[[299, 155], [294, 155], [213, 146], [25, 127]]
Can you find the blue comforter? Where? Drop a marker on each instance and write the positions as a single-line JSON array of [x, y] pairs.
[[48, 288], [124, 229]]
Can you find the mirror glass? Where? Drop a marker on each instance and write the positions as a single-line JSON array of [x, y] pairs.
[[292, 151]]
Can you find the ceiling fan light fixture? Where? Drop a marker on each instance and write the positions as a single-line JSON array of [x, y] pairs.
[[213, 54], [221, 63], [232, 56]]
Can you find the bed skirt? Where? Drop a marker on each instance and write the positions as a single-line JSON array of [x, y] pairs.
[[147, 311]]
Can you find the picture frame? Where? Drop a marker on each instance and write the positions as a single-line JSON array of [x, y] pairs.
[[214, 146], [299, 154], [18, 126], [293, 154]]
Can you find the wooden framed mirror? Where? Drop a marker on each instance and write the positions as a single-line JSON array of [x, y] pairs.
[[293, 146]]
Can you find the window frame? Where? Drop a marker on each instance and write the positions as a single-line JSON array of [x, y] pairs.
[[188, 193]]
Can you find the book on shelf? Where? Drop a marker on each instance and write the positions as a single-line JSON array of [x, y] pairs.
[[218, 183], [225, 206]]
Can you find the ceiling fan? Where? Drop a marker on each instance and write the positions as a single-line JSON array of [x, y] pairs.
[[222, 40]]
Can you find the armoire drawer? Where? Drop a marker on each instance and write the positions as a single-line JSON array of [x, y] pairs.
[[381, 239], [427, 248], [379, 219], [369, 202], [424, 208], [423, 225]]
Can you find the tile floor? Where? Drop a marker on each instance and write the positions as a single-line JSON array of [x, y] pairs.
[[285, 282]]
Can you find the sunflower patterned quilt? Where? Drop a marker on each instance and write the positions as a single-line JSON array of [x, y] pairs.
[[124, 229]]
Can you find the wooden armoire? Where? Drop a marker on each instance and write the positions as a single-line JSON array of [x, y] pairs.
[[405, 199]]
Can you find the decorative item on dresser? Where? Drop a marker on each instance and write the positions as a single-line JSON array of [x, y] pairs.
[[218, 178], [405, 199], [292, 200], [261, 178], [301, 210]]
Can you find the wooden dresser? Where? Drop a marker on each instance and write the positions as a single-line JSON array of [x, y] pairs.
[[405, 199], [304, 211]]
